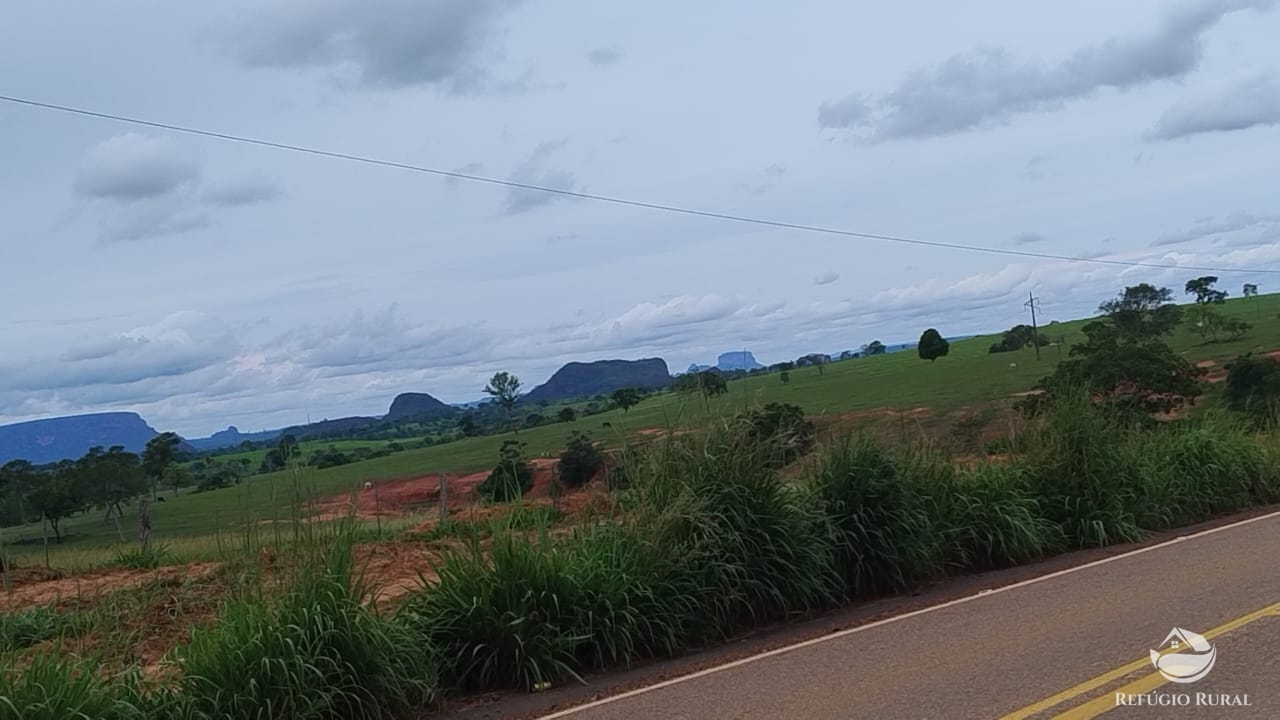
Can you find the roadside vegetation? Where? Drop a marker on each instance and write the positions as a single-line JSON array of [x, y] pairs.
[[753, 514]]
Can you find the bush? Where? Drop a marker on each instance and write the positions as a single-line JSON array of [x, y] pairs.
[[1253, 387], [511, 478], [885, 536], [580, 461], [782, 429]]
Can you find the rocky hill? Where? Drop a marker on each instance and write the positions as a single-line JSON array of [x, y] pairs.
[[231, 437], [67, 438], [737, 360], [419, 406], [578, 379]]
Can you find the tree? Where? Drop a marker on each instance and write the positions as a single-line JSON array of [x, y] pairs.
[[288, 448], [1142, 312], [57, 496], [17, 479], [567, 414], [176, 476], [110, 478], [161, 452], [1251, 291], [875, 347], [712, 383], [785, 377], [1202, 288], [467, 424], [625, 398], [783, 429], [932, 345], [534, 419], [1123, 371], [504, 388]]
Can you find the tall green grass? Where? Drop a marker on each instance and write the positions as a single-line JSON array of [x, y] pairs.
[[709, 538]]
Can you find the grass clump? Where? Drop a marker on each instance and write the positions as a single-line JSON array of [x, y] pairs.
[[144, 558], [317, 652], [24, 628], [883, 525], [56, 687], [989, 518]]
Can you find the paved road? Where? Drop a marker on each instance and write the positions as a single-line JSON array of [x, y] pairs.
[[1060, 646]]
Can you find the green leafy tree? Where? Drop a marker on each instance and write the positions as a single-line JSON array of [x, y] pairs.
[[785, 377], [534, 419], [783, 429], [110, 479], [1142, 312], [161, 452], [932, 345], [1122, 371], [175, 476], [1204, 292], [467, 424], [625, 398], [875, 347], [567, 414], [504, 388], [57, 495], [712, 383], [1251, 291], [17, 479]]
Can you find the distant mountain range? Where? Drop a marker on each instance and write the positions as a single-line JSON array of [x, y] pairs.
[[53, 439], [61, 438], [232, 437]]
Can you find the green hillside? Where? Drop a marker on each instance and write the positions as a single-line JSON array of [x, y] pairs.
[[968, 377]]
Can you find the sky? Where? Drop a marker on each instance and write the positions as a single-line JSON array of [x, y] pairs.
[[204, 283]]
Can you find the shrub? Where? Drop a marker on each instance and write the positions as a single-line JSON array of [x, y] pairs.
[[885, 535], [782, 429], [580, 461], [1253, 386], [511, 478]]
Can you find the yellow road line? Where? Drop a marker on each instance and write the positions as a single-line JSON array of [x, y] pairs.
[[1120, 672]]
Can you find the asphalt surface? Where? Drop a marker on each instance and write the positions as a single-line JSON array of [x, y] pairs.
[[1057, 646]]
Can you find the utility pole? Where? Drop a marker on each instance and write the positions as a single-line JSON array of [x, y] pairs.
[[1035, 331]]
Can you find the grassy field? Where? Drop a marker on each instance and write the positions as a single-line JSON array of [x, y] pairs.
[[968, 377]]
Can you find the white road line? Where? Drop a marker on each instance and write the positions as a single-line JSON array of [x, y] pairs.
[[850, 631]]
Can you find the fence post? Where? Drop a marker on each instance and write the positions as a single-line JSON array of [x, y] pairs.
[[444, 499], [144, 523]]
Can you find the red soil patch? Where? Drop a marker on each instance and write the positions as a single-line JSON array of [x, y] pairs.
[[1207, 364], [92, 584], [393, 498], [395, 569]]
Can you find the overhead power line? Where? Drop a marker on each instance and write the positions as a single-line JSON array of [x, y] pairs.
[[602, 198]]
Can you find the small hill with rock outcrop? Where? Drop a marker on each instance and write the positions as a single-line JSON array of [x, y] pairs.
[[583, 379], [418, 406]]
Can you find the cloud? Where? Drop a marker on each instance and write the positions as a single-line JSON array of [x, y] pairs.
[[133, 167], [534, 171], [757, 187], [247, 191], [379, 43], [179, 344], [1248, 103], [143, 186], [826, 278], [1216, 226], [1027, 238], [601, 57], [987, 87]]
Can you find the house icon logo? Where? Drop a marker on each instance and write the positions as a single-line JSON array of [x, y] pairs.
[[1184, 657]]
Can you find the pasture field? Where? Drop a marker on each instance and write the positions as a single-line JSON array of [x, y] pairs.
[[969, 377]]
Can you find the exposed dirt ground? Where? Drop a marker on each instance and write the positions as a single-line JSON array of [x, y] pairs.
[[35, 591]]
